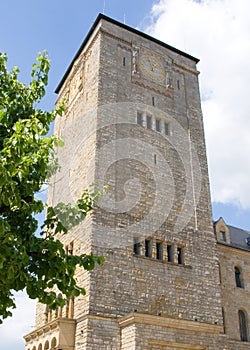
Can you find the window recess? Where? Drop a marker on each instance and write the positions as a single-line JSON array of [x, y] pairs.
[[159, 250], [139, 119], [148, 248], [149, 122], [137, 247]]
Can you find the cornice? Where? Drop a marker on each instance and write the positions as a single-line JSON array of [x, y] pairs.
[[169, 323], [228, 248], [181, 67], [55, 324]]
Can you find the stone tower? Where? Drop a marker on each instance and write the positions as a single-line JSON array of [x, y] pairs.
[[133, 122]]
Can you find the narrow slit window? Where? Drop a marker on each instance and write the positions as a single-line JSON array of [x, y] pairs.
[[149, 122], [60, 307], [148, 248], [46, 314], [166, 128], [159, 250], [170, 253], [158, 125], [223, 318], [153, 101], [178, 84], [180, 253], [50, 314], [139, 118], [137, 247], [155, 159], [67, 308], [238, 277], [243, 326], [223, 236], [124, 61]]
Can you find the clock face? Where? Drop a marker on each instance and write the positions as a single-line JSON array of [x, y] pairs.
[[152, 68]]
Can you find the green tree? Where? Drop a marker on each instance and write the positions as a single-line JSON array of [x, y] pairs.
[[27, 160]]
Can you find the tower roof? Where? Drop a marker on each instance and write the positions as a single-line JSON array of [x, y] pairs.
[[124, 26]]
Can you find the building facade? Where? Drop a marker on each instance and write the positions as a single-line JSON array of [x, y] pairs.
[[133, 121]]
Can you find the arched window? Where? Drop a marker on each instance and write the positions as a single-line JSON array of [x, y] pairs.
[[71, 307], [46, 346], [46, 314], [40, 347], [243, 325], [60, 307], [34, 348], [238, 277], [53, 343]]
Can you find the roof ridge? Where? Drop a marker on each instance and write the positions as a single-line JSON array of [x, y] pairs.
[[122, 25]]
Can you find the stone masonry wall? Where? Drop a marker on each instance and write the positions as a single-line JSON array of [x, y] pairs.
[[125, 160], [154, 223], [77, 129], [233, 297]]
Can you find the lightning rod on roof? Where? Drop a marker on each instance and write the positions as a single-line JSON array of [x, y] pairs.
[[104, 5]]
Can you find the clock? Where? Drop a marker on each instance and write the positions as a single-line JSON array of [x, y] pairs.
[[152, 68]]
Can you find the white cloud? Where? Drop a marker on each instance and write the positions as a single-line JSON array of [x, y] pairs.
[[14, 328], [217, 32]]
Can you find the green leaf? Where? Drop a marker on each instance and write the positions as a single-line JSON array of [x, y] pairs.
[[27, 160]]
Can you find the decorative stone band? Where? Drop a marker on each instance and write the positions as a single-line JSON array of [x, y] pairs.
[[194, 326]]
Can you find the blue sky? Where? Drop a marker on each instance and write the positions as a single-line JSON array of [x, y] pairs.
[[29, 26], [59, 27]]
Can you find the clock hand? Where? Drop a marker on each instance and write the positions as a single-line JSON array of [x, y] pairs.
[[153, 66]]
